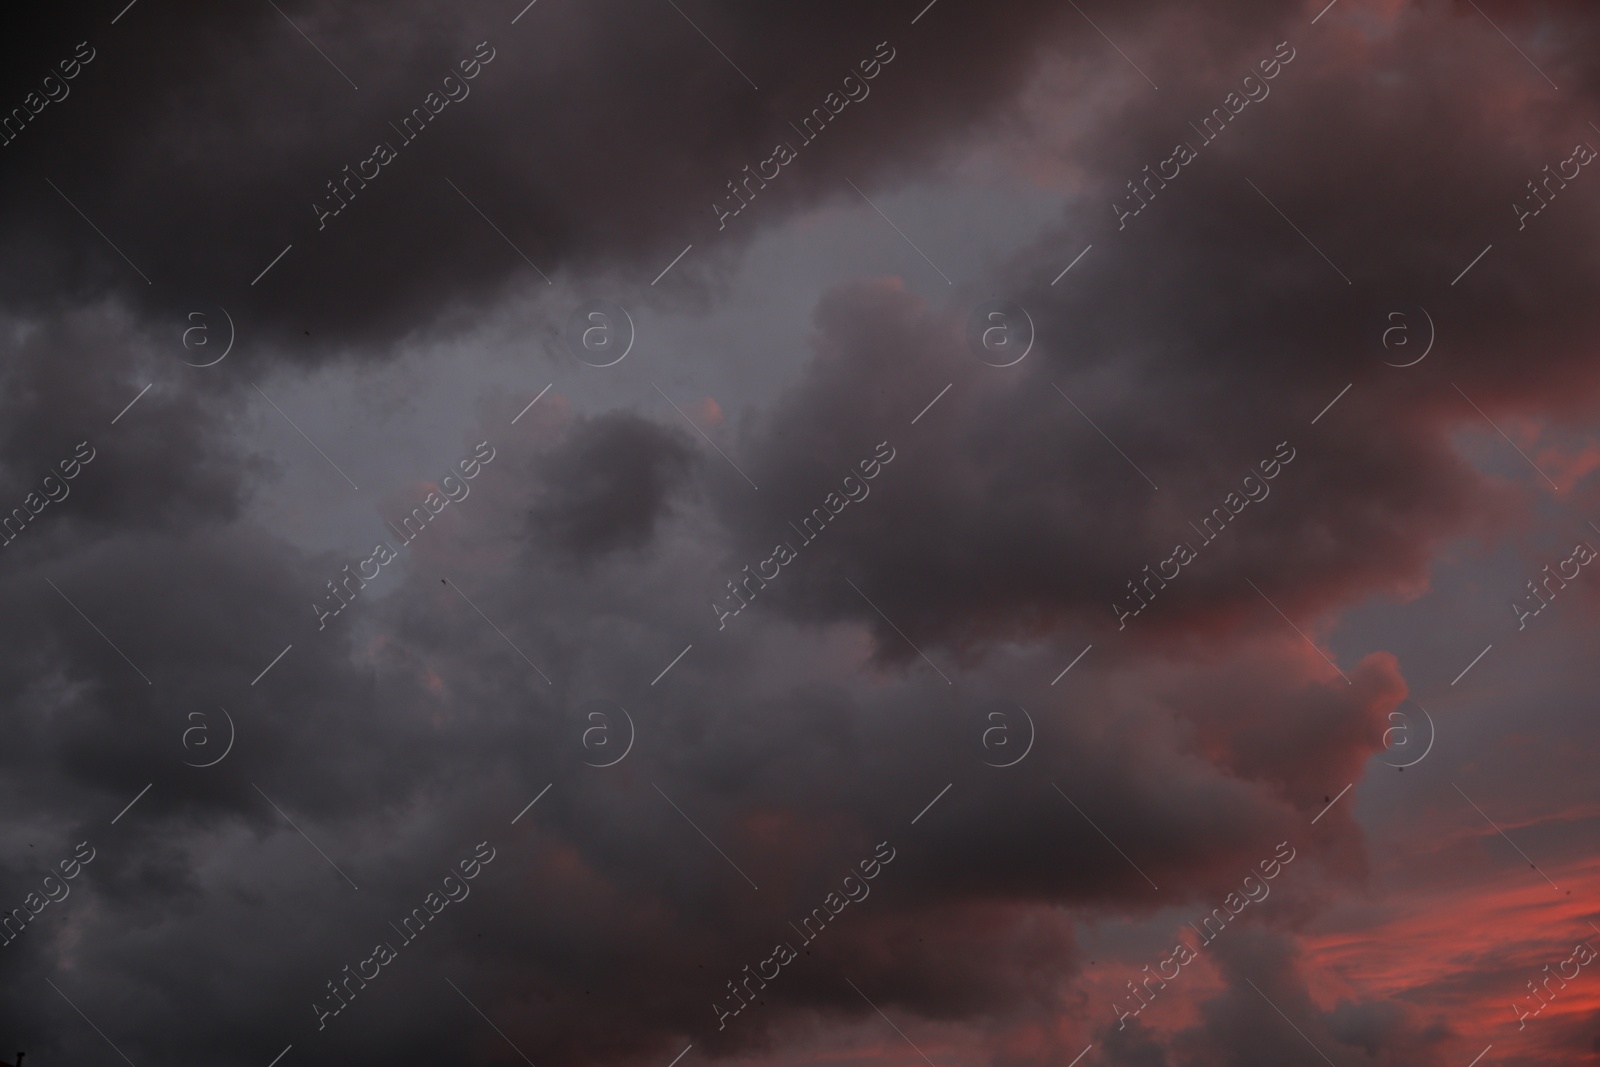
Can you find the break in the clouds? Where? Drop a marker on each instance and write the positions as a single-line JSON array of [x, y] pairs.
[[319, 747]]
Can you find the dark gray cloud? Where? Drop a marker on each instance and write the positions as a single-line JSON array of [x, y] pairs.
[[608, 484], [202, 113], [784, 747]]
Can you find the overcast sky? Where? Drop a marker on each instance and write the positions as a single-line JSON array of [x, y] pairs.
[[685, 532]]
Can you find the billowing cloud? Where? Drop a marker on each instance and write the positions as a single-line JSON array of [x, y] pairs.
[[705, 739]]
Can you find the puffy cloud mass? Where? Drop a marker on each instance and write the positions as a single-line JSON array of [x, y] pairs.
[[1071, 654]]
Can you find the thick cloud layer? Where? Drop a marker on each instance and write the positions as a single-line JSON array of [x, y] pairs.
[[618, 756], [591, 137]]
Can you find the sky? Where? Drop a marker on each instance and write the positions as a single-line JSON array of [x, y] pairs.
[[888, 534]]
